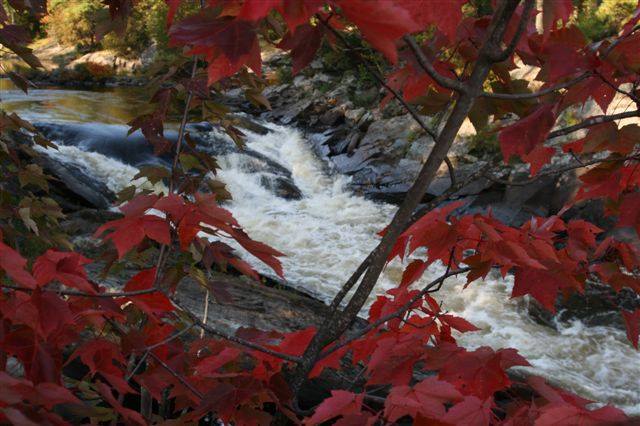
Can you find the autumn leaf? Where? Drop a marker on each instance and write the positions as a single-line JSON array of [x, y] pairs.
[[522, 137], [381, 23], [151, 303], [14, 265], [65, 267], [340, 403]]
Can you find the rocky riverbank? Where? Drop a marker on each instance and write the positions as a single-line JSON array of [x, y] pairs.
[[382, 150], [69, 66]]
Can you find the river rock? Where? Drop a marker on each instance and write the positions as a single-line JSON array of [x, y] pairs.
[[600, 305], [109, 59], [133, 149], [75, 186]]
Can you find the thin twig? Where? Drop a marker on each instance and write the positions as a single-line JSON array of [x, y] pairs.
[[592, 121], [428, 67], [397, 313], [539, 93], [235, 339], [84, 294], [560, 170], [178, 376]]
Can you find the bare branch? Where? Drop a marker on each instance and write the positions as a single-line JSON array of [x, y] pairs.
[[84, 294], [178, 376], [559, 170], [395, 314], [539, 93], [198, 322], [428, 67], [522, 25], [592, 121]]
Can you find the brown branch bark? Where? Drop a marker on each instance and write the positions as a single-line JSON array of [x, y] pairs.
[[428, 67], [209, 329], [592, 121], [396, 314], [539, 93], [522, 25], [84, 294], [336, 325]]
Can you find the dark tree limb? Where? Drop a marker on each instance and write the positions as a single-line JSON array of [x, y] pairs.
[[428, 67], [592, 121], [539, 93], [242, 342], [336, 325], [395, 314]]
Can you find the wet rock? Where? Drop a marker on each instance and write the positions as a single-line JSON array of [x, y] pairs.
[[281, 187], [108, 59], [75, 186], [600, 305], [332, 117]]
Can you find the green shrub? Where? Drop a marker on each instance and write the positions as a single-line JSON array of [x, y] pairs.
[[74, 22], [602, 19]]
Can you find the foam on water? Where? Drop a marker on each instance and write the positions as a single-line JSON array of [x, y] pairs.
[[329, 231]]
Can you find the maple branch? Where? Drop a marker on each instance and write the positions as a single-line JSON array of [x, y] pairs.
[[353, 279], [539, 93], [428, 67], [198, 322], [630, 95], [178, 376], [414, 114], [522, 25], [592, 121], [395, 314], [338, 322], [452, 171], [560, 170], [84, 294]]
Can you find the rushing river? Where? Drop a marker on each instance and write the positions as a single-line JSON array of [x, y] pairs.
[[329, 231]]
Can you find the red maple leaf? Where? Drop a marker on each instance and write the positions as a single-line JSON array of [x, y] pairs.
[[426, 397], [340, 403], [151, 303], [381, 23], [525, 135], [136, 224], [13, 264], [65, 267]]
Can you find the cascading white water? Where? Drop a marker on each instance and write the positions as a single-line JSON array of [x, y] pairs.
[[327, 233]]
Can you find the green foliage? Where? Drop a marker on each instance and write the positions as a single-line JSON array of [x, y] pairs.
[[601, 19], [484, 144], [74, 22]]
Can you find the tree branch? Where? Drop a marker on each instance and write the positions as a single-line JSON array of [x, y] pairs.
[[522, 25], [428, 67], [560, 170], [592, 121], [198, 322], [539, 93], [338, 322], [84, 294], [396, 314]]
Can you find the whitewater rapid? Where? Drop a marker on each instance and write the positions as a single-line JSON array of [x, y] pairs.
[[327, 233]]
